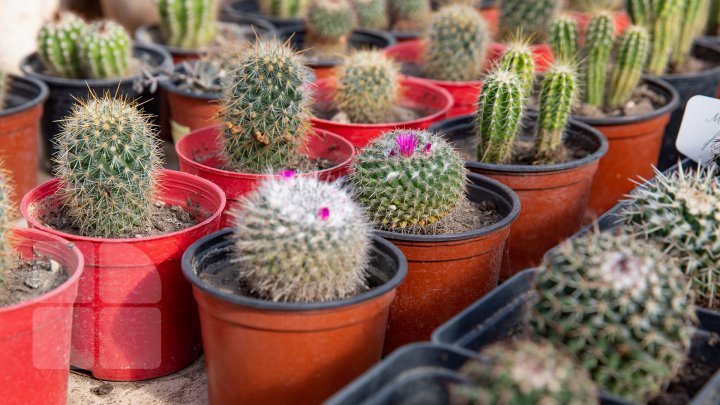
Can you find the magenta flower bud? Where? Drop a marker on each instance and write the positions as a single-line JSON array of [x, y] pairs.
[[428, 148], [407, 142], [324, 213], [287, 174]]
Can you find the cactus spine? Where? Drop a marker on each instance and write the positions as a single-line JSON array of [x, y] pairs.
[[564, 37], [599, 45], [372, 14], [518, 58], [632, 53], [329, 24], [105, 48], [265, 109], [620, 307], [108, 161], [368, 87], [187, 23], [456, 43], [694, 15], [556, 97], [665, 29], [58, 45], [301, 240], [532, 18], [407, 179], [283, 8], [409, 15]]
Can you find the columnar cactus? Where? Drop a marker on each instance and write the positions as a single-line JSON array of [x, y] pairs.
[[408, 179], [367, 87], [7, 216], [631, 55], [187, 23], [58, 45], [283, 8], [265, 109], [4, 85], [108, 162], [564, 38], [329, 24], [499, 114], [105, 48], [456, 42], [523, 372], [529, 17], [620, 307], [692, 21], [558, 93], [665, 29], [409, 15], [518, 58], [599, 45], [301, 240], [372, 14], [641, 11]]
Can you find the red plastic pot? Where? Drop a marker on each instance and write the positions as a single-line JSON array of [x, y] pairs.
[[134, 316], [465, 94], [189, 110], [622, 21], [415, 94], [35, 334]]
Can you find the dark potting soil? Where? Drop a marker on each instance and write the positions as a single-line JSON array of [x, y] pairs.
[[467, 216], [30, 279], [644, 100], [524, 151], [693, 375], [303, 164], [400, 114]]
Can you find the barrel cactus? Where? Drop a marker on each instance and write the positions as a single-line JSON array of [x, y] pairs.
[[329, 25], [283, 8], [518, 58], [58, 45], [409, 15], [523, 372], [408, 179], [632, 52], [532, 18], [559, 89], [298, 239], [600, 39], [105, 47], [265, 109], [498, 116], [372, 14], [187, 23], [368, 87], [456, 43], [564, 38], [620, 307]]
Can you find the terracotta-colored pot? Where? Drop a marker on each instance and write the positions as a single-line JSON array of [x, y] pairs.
[[446, 273], [465, 94], [415, 94], [553, 197], [264, 352], [199, 154], [19, 131], [622, 21], [633, 148]]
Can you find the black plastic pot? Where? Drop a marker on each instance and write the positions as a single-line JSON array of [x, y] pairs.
[[236, 9], [64, 91]]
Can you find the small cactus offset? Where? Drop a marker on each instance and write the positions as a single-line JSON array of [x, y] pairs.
[[532, 18], [600, 39], [58, 45], [367, 87], [265, 109], [523, 372], [693, 18], [408, 179], [105, 48], [456, 42], [564, 38], [372, 14], [632, 52], [518, 58], [620, 307], [329, 25], [108, 162], [283, 8], [301, 240], [559, 88], [409, 15], [7, 216], [665, 29], [499, 114], [187, 23]]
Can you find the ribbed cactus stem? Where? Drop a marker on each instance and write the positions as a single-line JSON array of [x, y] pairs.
[[409, 15], [518, 58], [187, 23], [372, 14], [4, 88], [58, 45], [564, 38], [532, 18], [694, 14], [558, 92], [632, 52], [665, 29], [641, 11], [599, 45], [329, 24], [368, 87], [7, 216], [283, 8], [105, 47]]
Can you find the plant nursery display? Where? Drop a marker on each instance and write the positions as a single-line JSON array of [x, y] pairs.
[[530, 18]]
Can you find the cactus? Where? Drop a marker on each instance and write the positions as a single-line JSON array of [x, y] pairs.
[[58, 45], [640, 11], [564, 37], [108, 162], [456, 42], [368, 87], [7, 216], [408, 179], [518, 58], [558, 93], [523, 372], [372, 14], [694, 15], [632, 53], [665, 29], [4, 88], [265, 109], [499, 114], [187, 23], [329, 24], [714, 18], [531, 18], [409, 15], [283, 8], [300, 240], [599, 45], [105, 49], [620, 307]]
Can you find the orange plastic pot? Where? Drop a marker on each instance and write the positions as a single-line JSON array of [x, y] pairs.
[[446, 273], [633, 147], [553, 197], [414, 93], [263, 352]]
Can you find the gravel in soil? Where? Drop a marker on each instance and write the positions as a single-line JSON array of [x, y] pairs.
[[524, 152], [643, 101], [30, 280], [467, 216]]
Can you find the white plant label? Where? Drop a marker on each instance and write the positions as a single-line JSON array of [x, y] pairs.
[[699, 135]]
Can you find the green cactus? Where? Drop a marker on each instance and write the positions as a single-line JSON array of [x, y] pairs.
[[329, 25], [58, 45], [559, 88], [693, 17], [106, 50], [372, 14], [632, 53], [456, 43], [108, 162], [532, 18], [301, 240], [7, 217], [408, 179], [368, 87], [523, 372], [620, 307], [641, 11], [409, 15], [187, 23], [265, 109], [593, 5], [564, 38], [4, 88], [283, 8], [598, 45], [498, 117], [665, 30], [714, 18], [518, 58]]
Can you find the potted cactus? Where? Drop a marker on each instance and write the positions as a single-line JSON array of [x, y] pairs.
[[132, 221], [368, 97], [294, 297], [76, 58], [450, 225], [279, 13]]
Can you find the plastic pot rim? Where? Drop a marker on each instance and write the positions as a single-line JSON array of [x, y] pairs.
[[699, 42], [43, 93], [170, 86]]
